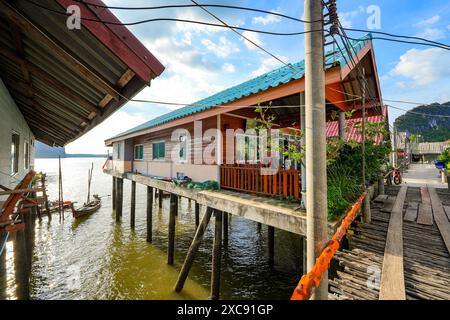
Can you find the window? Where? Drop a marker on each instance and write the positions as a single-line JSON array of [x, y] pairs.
[[159, 151], [26, 152], [119, 150], [15, 153], [183, 148], [138, 152], [247, 148]]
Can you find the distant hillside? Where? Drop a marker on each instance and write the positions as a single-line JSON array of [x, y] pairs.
[[45, 151], [433, 129]]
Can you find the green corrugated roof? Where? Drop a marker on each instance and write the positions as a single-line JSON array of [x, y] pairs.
[[268, 80]]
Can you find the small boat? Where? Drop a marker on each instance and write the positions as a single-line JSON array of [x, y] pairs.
[[87, 208], [90, 206]]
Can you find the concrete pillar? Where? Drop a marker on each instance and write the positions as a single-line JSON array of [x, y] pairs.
[[303, 142], [114, 194], [316, 175], [197, 214], [171, 245], [271, 244], [133, 205], [216, 257], [149, 213], [119, 198], [225, 229]]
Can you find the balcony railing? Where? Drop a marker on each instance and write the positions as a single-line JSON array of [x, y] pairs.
[[259, 180]]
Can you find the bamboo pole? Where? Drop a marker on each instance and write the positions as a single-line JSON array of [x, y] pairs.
[[271, 244], [171, 244], [149, 213], [133, 205], [44, 192]]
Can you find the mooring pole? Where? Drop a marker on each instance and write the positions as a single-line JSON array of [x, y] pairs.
[[133, 205], [193, 250], [315, 113], [271, 244], [197, 214], [225, 229], [149, 213], [216, 257], [119, 199], [171, 245]]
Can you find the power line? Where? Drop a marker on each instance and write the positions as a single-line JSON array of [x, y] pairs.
[[173, 20], [420, 113], [180, 6], [407, 42], [246, 38], [398, 36]]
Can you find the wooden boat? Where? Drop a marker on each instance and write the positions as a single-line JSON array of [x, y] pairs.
[[87, 208], [90, 206]]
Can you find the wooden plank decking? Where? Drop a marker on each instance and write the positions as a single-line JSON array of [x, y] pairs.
[[426, 260]]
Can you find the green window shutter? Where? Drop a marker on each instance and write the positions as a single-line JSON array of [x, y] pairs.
[[155, 151], [162, 150], [141, 152]]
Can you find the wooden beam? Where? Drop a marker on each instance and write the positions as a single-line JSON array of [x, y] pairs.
[[392, 286], [440, 217], [20, 191], [38, 35], [32, 92], [50, 80], [17, 38], [125, 78], [47, 136]]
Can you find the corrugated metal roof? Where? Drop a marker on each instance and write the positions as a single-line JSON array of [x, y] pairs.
[[268, 80], [353, 132]]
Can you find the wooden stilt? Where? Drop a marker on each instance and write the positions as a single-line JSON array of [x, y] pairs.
[[197, 214], [171, 246], [160, 198], [177, 204], [271, 244], [20, 263], [133, 205], [216, 257], [119, 199], [366, 213], [259, 226], [193, 250], [149, 213], [381, 186], [114, 194], [225, 229]]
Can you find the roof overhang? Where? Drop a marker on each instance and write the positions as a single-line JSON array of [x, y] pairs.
[[65, 82]]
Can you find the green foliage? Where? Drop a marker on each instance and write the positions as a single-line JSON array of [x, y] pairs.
[[434, 128]]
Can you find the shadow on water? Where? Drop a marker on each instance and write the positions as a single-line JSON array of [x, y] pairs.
[[96, 258]]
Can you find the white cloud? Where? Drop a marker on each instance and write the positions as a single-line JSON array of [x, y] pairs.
[[253, 37], [423, 66], [345, 17], [432, 34], [268, 64], [428, 22], [228, 68], [267, 19], [221, 49]]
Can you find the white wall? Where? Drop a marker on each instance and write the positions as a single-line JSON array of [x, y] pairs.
[[11, 119]]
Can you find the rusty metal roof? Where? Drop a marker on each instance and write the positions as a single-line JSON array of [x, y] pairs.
[[65, 82]]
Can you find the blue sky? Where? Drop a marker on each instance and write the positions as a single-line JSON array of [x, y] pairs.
[[201, 60]]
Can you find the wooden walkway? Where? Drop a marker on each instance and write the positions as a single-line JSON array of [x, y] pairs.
[[403, 253]]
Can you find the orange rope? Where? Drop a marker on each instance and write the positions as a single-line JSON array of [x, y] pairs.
[[304, 289]]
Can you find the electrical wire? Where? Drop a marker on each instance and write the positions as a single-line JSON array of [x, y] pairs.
[[181, 6], [407, 42], [420, 113], [173, 20], [398, 36]]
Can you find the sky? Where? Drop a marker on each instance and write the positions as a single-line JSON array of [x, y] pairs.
[[203, 60]]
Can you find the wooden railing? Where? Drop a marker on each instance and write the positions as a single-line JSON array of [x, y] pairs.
[[256, 179]]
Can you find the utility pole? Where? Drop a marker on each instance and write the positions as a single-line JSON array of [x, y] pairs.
[[316, 175]]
